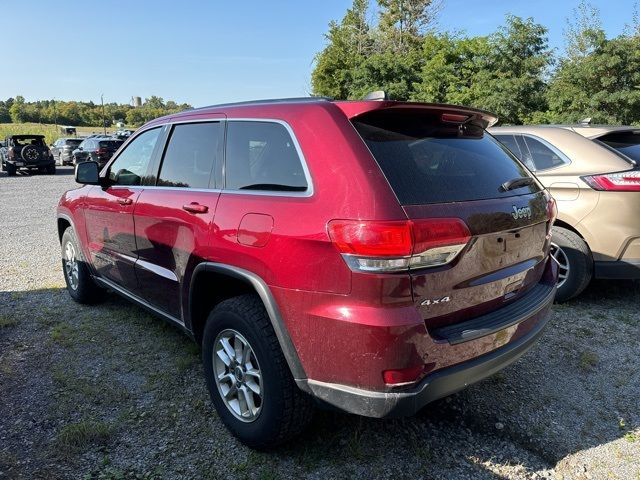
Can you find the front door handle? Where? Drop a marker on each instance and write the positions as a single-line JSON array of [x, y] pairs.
[[194, 207], [125, 201]]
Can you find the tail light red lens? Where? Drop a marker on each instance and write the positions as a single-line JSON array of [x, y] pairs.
[[628, 181], [101, 151], [371, 246]]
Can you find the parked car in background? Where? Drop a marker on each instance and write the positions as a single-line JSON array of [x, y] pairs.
[[593, 174], [98, 149], [62, 150], [422, 264], [28, 152]]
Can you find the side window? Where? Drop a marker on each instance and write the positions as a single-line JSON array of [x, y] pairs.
[[544, 157], [262, 156], [189, 158], [132, 164]]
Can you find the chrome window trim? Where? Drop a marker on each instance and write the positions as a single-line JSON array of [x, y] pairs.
[[270, 193], [305, 168]]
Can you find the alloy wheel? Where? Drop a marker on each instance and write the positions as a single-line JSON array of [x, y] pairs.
[[71, 265], [237, 375], [560, 257]]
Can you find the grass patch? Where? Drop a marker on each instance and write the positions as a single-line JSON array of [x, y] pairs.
[[628, 319], [6, 321], [62, 334], [79, 436], [632, 437], [588, 360]]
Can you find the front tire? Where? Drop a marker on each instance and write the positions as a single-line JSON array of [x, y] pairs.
[[575, 263], [77, 276], [248, 377]]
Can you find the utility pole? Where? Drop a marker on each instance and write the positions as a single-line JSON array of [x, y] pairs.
[[104, 124]]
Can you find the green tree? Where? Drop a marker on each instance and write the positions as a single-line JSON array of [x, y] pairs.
[[603, 85], [403, 23], [17, 110], [455, 70], [503, 73], [348, 42], [519, 59]]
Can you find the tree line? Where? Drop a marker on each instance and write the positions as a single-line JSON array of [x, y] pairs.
[[512, 72], [17, 110]]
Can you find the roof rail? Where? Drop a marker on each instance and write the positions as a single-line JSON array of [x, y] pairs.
[[266, 101]]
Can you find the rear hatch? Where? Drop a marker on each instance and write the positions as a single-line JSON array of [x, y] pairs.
[[444, 168], [106, 148], [625, 142]]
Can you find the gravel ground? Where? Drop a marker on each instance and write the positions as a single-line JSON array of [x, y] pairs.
[[109, 392]]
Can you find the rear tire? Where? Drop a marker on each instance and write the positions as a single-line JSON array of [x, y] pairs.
[[51, 169], [77, 275], [575, 263], [283, 410], [11, 170]]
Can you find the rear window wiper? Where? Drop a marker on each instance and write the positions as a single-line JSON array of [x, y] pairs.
[[516, 183], [273, 186]]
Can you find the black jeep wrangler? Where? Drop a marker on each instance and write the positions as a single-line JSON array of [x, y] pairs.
[[26, 151]]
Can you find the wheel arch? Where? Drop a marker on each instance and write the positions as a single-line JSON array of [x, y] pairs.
[[213, 283], [566, 226]]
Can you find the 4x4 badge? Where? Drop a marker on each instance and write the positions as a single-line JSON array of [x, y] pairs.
[[521, 212], [435, 301]]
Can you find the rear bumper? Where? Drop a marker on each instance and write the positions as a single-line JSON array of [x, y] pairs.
[[618, 270], [436, 385], [38, 164]]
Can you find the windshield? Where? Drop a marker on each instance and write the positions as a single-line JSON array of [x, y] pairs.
[[21, 142], [627, 143], [426, 161]]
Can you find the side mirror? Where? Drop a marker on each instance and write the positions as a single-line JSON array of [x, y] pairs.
[[87, 173], [80, 148]]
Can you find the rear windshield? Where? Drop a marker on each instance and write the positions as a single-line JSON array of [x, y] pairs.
[[426, 161], [627, 143], [110, 143], [74, 143]]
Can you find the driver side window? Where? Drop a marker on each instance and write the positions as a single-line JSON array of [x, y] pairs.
[[132, 164]]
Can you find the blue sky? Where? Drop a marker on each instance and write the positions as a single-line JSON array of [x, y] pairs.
[[208, 52]]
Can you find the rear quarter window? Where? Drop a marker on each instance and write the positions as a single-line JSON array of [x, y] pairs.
[[426, 161], [262, 156]]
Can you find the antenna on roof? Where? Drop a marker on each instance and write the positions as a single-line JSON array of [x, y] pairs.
[[378, 95], [585, 121]]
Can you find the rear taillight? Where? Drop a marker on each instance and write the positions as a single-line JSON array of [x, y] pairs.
[[371, 246], [11, 153], [628, 181], [101, 151]]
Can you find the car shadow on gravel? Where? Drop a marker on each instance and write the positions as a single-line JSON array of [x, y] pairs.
[[91, 390], [61, 171]]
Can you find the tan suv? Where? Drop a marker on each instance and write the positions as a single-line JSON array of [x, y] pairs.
[[593, 174]]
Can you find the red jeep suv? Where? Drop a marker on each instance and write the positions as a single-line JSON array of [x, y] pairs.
[[367, 255]]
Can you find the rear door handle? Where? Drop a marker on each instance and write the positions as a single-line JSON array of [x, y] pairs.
[[125, 201], [195, 208]]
